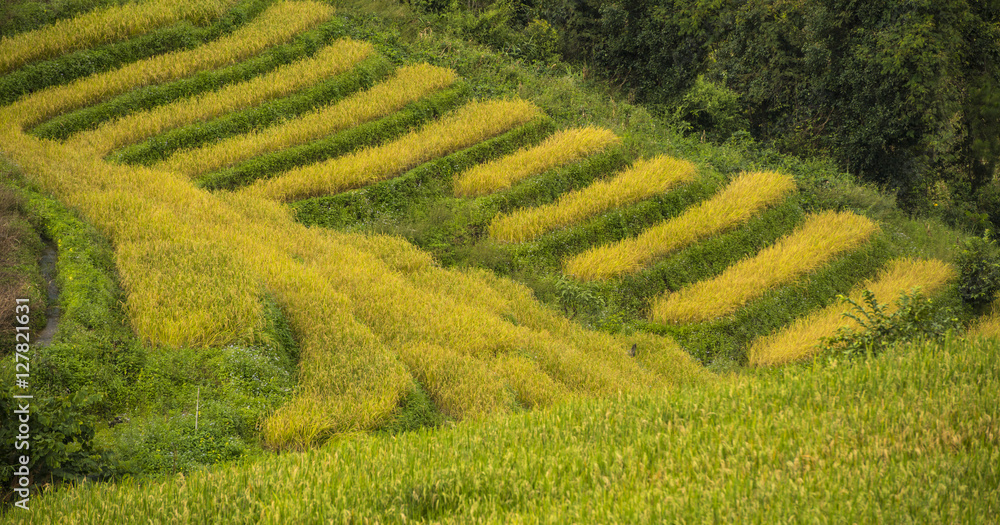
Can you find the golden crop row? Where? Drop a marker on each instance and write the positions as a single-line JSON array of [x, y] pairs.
[[642, 180], [819, 239], [561, 148], [104, 25], [470, 124], [800, 339], [743, 198], [331, 60], [277, 24], [409, 84]]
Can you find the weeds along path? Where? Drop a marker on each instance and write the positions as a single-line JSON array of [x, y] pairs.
[[373, 315]]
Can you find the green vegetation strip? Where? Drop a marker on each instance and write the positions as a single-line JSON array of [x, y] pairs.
[[913, 433], [62, 126], [368, 134], [157, 148], [392, 197]]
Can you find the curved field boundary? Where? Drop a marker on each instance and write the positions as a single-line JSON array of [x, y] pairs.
[[473, 123], [800, 339], [561, 148], [819, 239], [278, 24], [408, 84], [743, 198], [640, 181], [332, 60], [104, 25]]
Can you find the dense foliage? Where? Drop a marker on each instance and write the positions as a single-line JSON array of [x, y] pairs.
[[906, 94]]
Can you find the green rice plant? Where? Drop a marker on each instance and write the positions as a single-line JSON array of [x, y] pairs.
[[819, 239], [561, 148], [800, 339], [279, 23], [460, 386], [839, 442], [743, 198], [642, 180], [327, 62], [104, 25], [409, 84], [475, 122]]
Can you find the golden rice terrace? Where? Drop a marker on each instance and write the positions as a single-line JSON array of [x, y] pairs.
[[230, 172]]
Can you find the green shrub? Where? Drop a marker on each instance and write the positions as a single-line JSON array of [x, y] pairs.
[[60, 437], [916, 318], [979, 267], [711, 110]]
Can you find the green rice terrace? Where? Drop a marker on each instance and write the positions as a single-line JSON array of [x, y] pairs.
[[326, 262]]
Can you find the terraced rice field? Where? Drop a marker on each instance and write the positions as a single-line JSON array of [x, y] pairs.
[[376, 317]]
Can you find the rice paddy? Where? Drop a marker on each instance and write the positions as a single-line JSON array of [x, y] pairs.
[[559, 149], [739, 201], [822, 237], [379, 322], [642, 180], [800, 339], [408, 84]]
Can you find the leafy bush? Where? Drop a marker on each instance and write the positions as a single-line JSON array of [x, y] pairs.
[[915, 318], [979, 264], [61, 436], [712, 110]]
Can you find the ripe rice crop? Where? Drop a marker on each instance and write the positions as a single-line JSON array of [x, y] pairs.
[[800, 339], [334, 59], [988, 326], [642, 180], [277, 24], [410, 83], [473, 123], [743, 198], [104, 25], [819, 239], [460, 386], [561, 148]]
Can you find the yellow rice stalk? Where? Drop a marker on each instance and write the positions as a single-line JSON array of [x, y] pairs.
[[819, 239], [531, 386], [800, 339], [332, 60], [473, 123], [277, 24], [461, 387], [409, 84], [104, 25], [737, 203], [988, 326], [559, 149], [189, 294], [642, 180]]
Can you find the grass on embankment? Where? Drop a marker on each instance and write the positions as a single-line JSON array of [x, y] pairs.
[[844, 441]]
